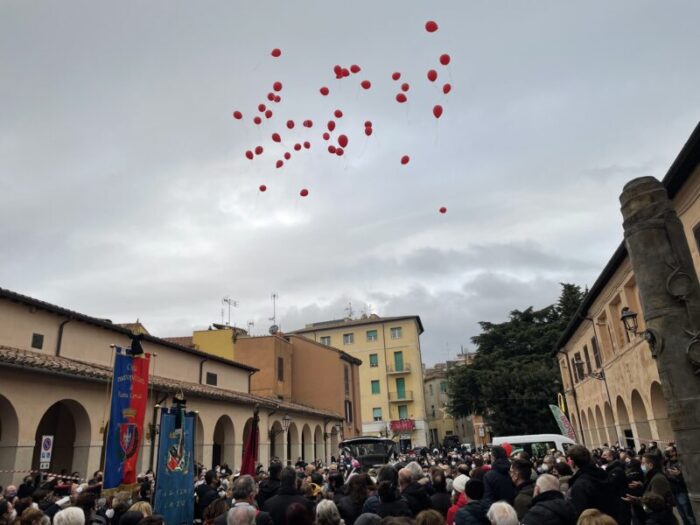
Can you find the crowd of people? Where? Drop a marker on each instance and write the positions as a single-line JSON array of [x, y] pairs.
[[609, 486]]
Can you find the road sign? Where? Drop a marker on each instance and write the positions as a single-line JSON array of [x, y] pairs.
[[45, 453]]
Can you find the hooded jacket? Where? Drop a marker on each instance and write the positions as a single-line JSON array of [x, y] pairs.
[[462, 500], [417, 497], [550, 508], [267, 489], [473, 513], [591, 489], [497, 483]]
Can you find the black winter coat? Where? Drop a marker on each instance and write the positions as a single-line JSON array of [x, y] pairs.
[[398, 507], [268, 488], [417, 498], [349, 509], [589, 488], [473, 513], [550, 508], [497, 483], [663, 517], [277, 505], [441, 502]]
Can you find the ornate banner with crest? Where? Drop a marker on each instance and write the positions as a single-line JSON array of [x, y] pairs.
[[127, 411]]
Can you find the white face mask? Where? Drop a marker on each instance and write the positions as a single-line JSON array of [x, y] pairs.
[[13, 515], [109, 513], [545, 467]]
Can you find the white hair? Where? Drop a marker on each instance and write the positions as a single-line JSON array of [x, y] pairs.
[[416, 470], [547, 483], [501, 513], [327, 513], [241, 515], [70, 516]]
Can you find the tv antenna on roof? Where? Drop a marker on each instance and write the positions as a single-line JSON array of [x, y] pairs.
[[348, 310], [274, 328], [230, 302], [251, 324]]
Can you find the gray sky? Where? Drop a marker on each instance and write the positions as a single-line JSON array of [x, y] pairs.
[[125, 191]]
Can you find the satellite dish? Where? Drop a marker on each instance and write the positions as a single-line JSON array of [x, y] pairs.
[[274, 329]]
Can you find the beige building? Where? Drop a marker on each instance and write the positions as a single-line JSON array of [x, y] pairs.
[[55, 367], [391, 374], [612, 386]]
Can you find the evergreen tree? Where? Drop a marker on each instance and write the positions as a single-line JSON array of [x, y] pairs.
[[514, 376]]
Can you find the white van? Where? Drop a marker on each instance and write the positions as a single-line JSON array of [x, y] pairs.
[[537, 445]]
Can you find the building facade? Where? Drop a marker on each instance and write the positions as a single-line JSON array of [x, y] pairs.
[[611, 382], [391, 374], [55, 369]]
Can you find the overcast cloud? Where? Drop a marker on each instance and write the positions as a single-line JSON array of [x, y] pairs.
[[125, 192]]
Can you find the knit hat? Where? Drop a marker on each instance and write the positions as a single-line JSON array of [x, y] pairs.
[[459, 483]]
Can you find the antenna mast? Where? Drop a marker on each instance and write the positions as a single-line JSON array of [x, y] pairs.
[[274, 328], [230, 302]]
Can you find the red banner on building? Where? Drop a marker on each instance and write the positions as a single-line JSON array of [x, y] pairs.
[[399, 426]]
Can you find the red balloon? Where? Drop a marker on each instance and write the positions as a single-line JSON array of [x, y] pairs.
[[324, 91], [277, 86], [431, 26], [338, 113], [443, 210], [287, 155], [279, 163], [432, 75], [297, 146], [355, 68], [276, 137], [339, 151], [331, 125], [290, 124], [405, 159], [326, 135], [277, 99], [249, 154], [276, 52], [331, 149], [437, 111], [401, 98], [337, 70], [368, 123], [446, 88], [268, 113], [343, 140], [308, 123], [366, 84], [263, 188], [396, 76], [261, 108], [405, 86], [368, 131], [444, 59], [237, 115], [271, 96], [258, 150], [304, 192], [307, 144], [257, 120], [346, 72]]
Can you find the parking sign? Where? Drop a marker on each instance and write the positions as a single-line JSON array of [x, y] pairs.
[[45, 453]]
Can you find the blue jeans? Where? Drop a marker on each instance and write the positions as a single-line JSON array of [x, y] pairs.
[[684, 508]]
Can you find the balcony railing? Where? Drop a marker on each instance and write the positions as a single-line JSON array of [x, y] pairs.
[[397, 397], [405, 369]]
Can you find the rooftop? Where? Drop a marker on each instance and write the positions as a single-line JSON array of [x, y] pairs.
[[370, 319]]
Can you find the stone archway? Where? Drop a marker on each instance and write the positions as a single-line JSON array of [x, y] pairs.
[[276, 441], [600, 425], [610, 424], [586, 430], [307, 444], [223, 442], [660, 411], [623, 419], [319, 444], [69, 424], [9, 436], [335, 443], [293, 445], [641, 419], [577, 431], [592, 428], [198, 440]]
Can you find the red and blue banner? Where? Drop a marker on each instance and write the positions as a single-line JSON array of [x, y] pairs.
[[174, 497], [125, 430]]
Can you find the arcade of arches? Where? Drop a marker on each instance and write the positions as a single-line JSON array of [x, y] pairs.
[[73, 410]]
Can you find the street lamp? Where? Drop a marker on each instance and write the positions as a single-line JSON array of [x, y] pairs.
[[629, 319], [286, 421]]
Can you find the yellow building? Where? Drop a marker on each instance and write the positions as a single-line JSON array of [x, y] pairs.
[[611, 382], [391, 374]]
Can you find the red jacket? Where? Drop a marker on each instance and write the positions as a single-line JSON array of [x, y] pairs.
[[462, 500]]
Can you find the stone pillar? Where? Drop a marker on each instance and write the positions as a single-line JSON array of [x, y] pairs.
[[670, 295]]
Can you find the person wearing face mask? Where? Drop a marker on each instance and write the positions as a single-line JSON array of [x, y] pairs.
[[655, 481], [589, 486], [615, 472]]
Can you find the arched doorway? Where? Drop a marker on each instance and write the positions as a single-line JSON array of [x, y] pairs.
[[319, 444], [222, 449], [69, 424], [307, 444], [9, 434], [577, 431], [623, 419], [276, 441], [660, 409], [293, 451], [602, 436], [586, 430], [592, 428], [199, 441], [335, 443], [610, 424], [641, 419]]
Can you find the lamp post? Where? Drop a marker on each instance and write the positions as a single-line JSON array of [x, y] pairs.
[[670, 294]]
